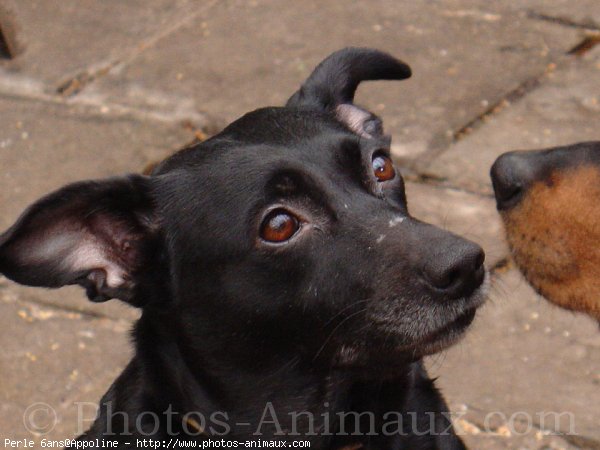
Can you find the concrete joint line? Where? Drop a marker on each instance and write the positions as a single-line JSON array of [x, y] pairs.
[[75, 84]]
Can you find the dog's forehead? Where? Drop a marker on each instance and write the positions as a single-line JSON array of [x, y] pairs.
[[260, 137], [279, 125]]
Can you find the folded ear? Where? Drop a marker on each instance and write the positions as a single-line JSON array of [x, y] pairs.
[[101, 235], [333, 83]]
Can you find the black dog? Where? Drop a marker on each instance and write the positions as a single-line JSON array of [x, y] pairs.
[[286, 291]]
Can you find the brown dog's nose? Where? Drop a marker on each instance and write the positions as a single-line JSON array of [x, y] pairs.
[[511, 173], [456, 271]]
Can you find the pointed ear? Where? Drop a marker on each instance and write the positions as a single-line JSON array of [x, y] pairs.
[[332, 85], [101, 235]]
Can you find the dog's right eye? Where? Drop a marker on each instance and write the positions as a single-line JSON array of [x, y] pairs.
[[279, 226], [383, 168]]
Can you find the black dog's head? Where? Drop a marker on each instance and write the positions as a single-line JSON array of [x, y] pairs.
[[548, 200], [287, 233]]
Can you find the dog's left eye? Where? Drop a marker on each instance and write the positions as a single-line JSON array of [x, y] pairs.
[[383, 168], [279, 226]]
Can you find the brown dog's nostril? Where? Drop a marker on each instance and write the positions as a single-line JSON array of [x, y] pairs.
[[457, 272], [506, 189], [508, 195], [510, 175]]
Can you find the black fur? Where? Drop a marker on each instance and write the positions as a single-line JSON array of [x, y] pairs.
[[335, 320]]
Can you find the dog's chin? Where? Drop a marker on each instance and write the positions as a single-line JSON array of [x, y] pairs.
[[452, 331], [383, 356], [446, 336], [385, 361]]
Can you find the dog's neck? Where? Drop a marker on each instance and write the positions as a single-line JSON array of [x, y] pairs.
[[282, 397]]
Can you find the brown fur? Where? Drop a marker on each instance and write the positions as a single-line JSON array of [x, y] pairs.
[[554, 235]]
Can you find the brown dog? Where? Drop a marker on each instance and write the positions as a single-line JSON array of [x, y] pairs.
[[549, 201]]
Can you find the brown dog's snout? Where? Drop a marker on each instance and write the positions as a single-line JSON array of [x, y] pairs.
[[457, 269], [511, 174]]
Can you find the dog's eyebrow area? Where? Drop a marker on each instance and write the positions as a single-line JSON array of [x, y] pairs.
[[354, 157], [293, 183]]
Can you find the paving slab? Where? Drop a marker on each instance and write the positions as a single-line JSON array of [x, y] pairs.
[[63, 39], [469, 215], [466, 54], [144, 66], [54, 366], [525, 356], [565, 109], [44, 146]]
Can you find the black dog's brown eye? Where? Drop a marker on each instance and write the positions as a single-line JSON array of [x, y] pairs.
[[279, 226], [383, 168]]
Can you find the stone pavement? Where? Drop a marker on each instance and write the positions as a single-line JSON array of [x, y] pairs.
[[105, 87]]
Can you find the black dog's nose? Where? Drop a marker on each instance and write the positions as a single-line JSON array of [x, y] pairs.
[[511, 173], [457, 270]]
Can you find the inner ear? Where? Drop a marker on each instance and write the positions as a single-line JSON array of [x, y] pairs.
[[101, 235], [362, 122]]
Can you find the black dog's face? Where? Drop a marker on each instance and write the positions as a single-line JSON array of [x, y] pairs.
[[286, 233], [313, 241]]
